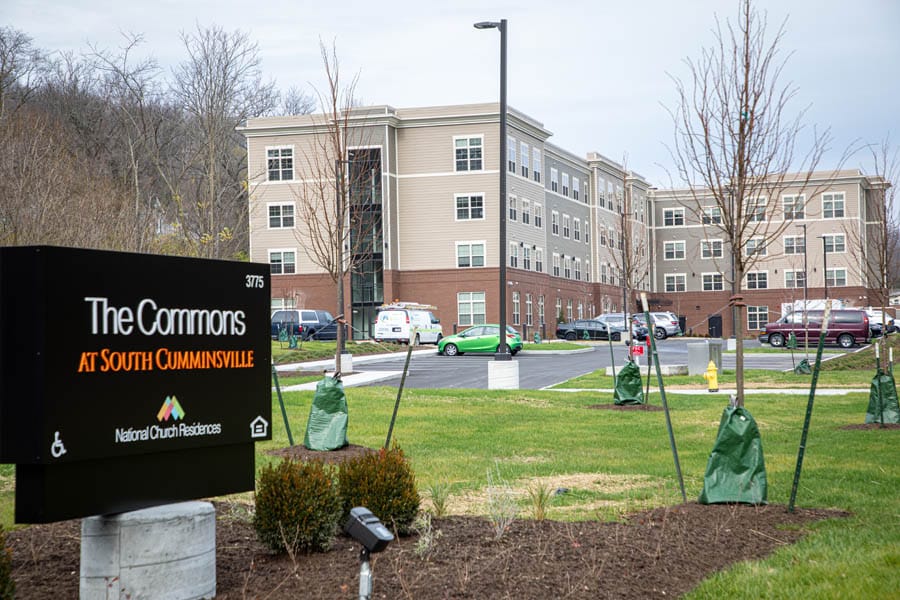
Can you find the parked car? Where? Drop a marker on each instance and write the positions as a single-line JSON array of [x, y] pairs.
[[617, 321], [590, 329], [395, 323], [665, 324], [846, 327], [307, 324], [479, 338]]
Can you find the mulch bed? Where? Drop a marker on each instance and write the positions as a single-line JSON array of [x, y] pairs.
[[663, 552]]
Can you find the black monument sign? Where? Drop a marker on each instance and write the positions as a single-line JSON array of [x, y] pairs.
[[129, 380]]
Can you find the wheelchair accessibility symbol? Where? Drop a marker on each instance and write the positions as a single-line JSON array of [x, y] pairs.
[[57, 448]]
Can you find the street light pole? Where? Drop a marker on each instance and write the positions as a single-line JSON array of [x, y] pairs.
[[805, 295], [502, 350], [825, 261]]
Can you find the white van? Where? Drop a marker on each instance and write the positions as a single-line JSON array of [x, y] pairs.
[[394, 323]]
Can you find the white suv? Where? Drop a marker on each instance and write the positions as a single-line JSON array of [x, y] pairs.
[[664, 324]]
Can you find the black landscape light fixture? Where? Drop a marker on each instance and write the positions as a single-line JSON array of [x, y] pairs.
[[825, 262], [502, 349], [368, 530]]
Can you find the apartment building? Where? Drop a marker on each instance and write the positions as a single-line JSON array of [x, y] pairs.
[[802, 235], [429, 180]]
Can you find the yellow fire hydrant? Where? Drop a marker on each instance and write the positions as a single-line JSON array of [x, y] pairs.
[[712, 377]]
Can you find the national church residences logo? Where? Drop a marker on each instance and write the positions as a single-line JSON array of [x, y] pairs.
[[172, 408]]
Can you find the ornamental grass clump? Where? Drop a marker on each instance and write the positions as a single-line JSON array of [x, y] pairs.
[[297, 507], [384, 483]]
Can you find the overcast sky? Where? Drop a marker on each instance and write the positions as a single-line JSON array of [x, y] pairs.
[[595, 72]]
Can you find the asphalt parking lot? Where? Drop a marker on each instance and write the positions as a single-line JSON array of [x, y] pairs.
[[537, 371]]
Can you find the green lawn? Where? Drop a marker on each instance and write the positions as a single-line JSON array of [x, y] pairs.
[[616, 462]]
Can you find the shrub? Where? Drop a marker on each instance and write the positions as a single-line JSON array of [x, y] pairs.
[[384, 483], [7, 583], [297, 506]]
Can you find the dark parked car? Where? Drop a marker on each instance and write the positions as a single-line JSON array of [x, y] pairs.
[[587, 329], [307, 324], [616, 322], [846, 327]]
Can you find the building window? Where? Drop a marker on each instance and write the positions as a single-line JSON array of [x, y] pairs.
[[513, 208], [580, 309], [283, 262], [469, 207], [673, 250], [711, 249], [755, 246], [281, 216], [526, 258], [602, 236], [756, 210], [836, 277], [577, 230], [712, 282], [529, 305], [554, 223], [468, 153], [712, 215], [536, 155], [470, 308], [577, 269], [587, 232], [554, 180], [469, 254], [558, 307], [539, 260], [555, 264], [757, 317], [517, 308], [567, 268], [526, 212], [514, 255], [569, 309], [523, 148], [576, 188], [587, 270], [794, 244], [833, 205], [601, 192], [511, 154], [603, 275], [794, 207], [541, 320], [757, 280], [566, 226], [565, 183], [280, 164], [673, 217], [676, 282], [538, 216], [794, 279], [834, 243]]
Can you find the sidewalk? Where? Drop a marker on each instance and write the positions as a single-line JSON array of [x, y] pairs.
[[326, 366]]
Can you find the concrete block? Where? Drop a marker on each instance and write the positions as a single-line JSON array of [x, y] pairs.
[[161, 552], [503, 375]]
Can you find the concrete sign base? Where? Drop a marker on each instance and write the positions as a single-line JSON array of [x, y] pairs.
[[162, 552], [503, 375]]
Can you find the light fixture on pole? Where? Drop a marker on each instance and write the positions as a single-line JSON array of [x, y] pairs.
[[502, 350], [825, 262], [805, 286]]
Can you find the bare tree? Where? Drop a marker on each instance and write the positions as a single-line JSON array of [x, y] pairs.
[[22, 67], [632, 261], [736, 146], [877, 247], [339, 230], [297, 102], [218, 87]]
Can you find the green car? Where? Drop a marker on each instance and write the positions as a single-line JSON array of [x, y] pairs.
[[479, 338]]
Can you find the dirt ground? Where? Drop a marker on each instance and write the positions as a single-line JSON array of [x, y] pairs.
[[660, 553]]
